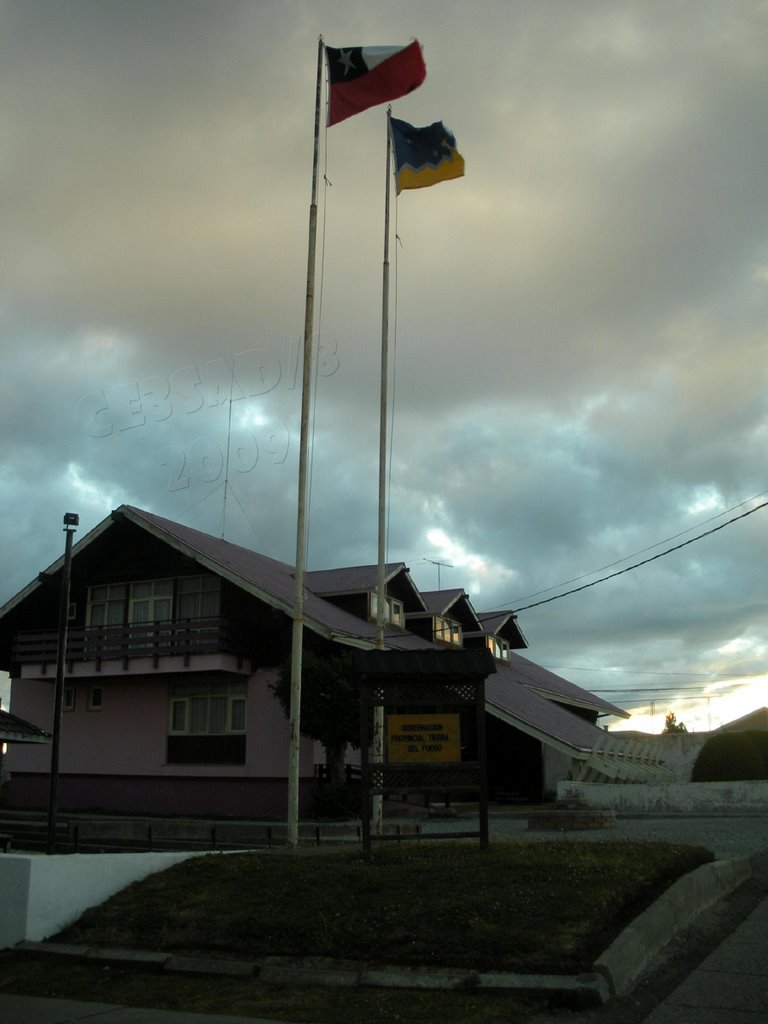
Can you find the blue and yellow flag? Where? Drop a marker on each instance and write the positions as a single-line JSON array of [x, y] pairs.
[[424, 156]]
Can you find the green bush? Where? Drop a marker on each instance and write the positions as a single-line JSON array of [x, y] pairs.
[[760, 740], [728, 757]]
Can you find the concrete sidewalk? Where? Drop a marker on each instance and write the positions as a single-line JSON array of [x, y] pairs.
[[731, 984], [31, 1010]]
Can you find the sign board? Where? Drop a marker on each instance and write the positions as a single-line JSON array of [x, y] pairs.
[[423, 738]]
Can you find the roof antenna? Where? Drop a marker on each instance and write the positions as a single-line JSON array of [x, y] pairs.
[[432, 561], [229, 448]]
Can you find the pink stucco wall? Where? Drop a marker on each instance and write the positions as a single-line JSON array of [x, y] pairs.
[[108, 752], [128, 735], [210, 797]]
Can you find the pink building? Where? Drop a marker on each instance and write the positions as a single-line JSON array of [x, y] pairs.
[[174, 637]]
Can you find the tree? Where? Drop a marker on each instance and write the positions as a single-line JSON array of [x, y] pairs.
[[330, 705], [672, 726]]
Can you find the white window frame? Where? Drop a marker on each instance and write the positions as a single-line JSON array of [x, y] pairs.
[[124, 596], [161, 590], [498, 647], [206, 583], [447, 631], [394, 610], [95, 703], [117, 599], [237, 707]]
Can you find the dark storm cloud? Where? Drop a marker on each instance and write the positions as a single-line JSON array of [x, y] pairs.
[[580, 332]]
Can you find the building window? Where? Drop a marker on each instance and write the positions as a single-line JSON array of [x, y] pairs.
[[198, 597], [394, 610], [95, 698], [447, 631], [206, 723], [106, 605], [150, 601], [68, 699], [499, 648]]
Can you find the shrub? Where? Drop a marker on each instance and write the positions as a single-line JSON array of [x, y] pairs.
[[728, 757], [760, 740]]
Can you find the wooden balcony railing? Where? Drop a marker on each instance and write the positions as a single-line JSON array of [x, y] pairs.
[[148, 639]]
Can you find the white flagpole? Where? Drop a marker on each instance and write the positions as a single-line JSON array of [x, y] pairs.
[[381, 589], [294, 768]]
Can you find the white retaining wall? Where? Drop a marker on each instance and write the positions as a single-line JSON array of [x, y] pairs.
[[680, 797], [40, 895]]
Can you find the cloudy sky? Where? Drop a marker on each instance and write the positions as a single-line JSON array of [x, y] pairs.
[[579, 326]]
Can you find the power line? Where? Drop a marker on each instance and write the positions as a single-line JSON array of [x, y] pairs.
[[645, 561], [649, 672], [665, 689], [680, 533]]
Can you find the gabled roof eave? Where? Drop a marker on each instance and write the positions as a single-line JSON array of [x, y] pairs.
[[217, 567], [603, 708], [582, 753], [56, 566], [224, 571]]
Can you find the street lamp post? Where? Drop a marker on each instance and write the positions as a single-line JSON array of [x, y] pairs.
[[71, 522]]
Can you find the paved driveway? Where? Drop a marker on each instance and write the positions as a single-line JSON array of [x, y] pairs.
[[736, 835]]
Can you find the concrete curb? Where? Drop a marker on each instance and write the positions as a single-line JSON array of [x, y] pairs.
[[580, 990], [613, 973], [631, 952]]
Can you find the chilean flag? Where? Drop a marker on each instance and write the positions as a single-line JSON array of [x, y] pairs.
[[362, 76]]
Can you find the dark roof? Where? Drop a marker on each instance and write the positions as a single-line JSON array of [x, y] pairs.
[[493, 621], [272, 581], [548, 684], [517, 692], [454, 604], [505, 625], [439, 601], [523, 708], [354, 579], [16, 730], [364, 579]]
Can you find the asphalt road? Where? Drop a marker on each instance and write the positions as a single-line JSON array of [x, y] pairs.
[[727, 836]]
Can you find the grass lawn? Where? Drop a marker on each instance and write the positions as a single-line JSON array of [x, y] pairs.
[[549, 906], [536, 907]]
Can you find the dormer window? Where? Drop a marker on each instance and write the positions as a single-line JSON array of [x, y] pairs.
[[499, 648], [447, 631], [394, 611]]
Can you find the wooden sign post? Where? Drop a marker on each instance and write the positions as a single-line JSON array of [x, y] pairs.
[[434, 713]]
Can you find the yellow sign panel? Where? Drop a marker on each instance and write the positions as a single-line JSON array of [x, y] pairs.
[[423, 738]]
